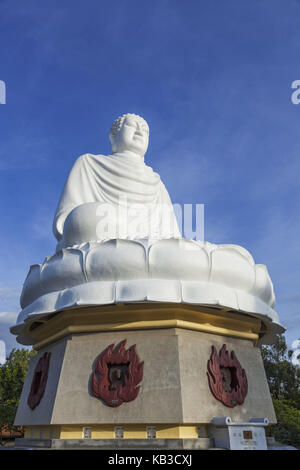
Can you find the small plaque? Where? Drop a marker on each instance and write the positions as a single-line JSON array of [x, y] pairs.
[[243, 438], [247, 435], [86, 433], [119, 432], [151, 432], [239, 436]]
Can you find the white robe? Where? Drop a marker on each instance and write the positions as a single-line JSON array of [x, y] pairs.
[[112, 180]]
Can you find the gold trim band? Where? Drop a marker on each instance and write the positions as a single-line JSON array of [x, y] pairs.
[[108, 431], [142, 317]]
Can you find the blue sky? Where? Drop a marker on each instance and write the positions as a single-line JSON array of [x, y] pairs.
[[213, 80]]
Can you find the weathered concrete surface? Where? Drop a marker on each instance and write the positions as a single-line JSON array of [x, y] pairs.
[[194, 354], [112, 444], [43, 412], [174, 388]]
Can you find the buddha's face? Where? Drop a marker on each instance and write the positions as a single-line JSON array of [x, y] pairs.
[[133, 137]]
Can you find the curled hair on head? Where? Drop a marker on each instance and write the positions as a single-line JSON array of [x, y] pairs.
[[117, 124]]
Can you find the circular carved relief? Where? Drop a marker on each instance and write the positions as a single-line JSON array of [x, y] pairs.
[[117, 375], [227, 380], [39, 381]]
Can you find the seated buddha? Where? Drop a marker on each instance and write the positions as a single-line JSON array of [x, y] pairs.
[[116, 196]]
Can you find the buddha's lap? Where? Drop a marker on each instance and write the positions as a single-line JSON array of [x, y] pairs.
[[97, 221]]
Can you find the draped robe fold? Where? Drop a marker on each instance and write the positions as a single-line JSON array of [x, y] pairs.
[[111, 180]]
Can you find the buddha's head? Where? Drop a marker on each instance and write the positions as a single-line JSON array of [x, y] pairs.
[[130, 133]]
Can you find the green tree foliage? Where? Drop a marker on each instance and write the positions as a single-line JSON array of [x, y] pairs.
[[284, 382], [12, 376], [287, 429]]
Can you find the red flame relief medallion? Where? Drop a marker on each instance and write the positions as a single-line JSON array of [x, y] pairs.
[[117, 374], [227, 380], [39, 381]]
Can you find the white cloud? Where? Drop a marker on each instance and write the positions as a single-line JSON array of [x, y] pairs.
[[2, 352], [9, 292], [8, 318]]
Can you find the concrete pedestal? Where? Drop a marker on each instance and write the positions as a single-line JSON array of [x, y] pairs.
[[174, 398], [116, 444]]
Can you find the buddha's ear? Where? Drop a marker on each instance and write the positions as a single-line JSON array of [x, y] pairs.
[[112, 139]]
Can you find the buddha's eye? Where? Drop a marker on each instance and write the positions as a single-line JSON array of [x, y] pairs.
[[136, 126], [131, 123]]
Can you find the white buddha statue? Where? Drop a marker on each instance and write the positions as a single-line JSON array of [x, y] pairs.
[[115, 196], [118, 241]]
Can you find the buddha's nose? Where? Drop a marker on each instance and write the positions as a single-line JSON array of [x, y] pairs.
[[139, 128]]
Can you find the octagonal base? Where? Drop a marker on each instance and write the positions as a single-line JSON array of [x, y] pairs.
[[174, 400]]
